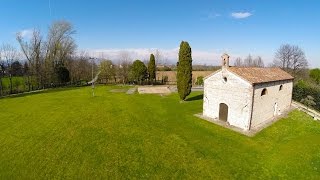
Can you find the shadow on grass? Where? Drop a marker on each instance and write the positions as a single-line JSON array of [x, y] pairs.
[[44, 91], [195, 98]]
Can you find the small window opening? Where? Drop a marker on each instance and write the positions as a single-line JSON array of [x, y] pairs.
[[281, 87], [264, 92], [225, 79]]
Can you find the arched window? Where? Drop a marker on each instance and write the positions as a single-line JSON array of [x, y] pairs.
[[264, 92], [225, 79], [281, 87]]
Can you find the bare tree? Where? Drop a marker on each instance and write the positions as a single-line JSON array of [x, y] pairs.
[[124, 66], [9, 54], [102, 55], [159, 57], [299, 61], [80, 67], [124, 56], [46, 57], [258, 62], [107, 69], [291, 59], [283, 56], [32, 51], [248, 61], [238, 62], [60, 46]]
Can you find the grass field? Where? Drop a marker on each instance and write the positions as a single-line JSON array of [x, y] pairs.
[[67, 134]]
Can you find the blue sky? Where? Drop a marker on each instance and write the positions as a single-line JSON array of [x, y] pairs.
[[211, 27]]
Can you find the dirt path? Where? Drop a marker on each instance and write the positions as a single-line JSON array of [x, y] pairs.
[[132, 90]]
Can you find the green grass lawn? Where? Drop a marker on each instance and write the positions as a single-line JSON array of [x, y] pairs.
[[69, 134]]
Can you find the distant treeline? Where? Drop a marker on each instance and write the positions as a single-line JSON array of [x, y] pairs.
[[52, 60]]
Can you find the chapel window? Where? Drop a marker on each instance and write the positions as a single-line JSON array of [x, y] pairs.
[[264, 92]]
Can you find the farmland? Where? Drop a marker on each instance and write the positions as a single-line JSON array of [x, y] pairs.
[[172, 75]]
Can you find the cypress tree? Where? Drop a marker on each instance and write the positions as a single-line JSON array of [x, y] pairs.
[[184, 70], [152, 68]]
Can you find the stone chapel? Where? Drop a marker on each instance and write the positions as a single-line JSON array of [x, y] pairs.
[[246, 97]]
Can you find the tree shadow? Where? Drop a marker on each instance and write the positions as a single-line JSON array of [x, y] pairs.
[[44, 91], [195, 98]]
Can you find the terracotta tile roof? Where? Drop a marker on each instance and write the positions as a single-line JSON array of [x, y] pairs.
[[257, 75]]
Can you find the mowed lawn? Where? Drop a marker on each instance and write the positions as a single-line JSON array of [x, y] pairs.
[[68, 134]]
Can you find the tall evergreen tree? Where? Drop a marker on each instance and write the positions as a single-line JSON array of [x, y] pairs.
[[184, 70], [152, 68]]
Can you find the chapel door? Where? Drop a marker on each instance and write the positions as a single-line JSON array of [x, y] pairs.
[[223, 112]]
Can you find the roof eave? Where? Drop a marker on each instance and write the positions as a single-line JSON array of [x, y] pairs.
[[255, 83]]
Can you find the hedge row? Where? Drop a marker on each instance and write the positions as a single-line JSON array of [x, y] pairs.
[[302, 89]]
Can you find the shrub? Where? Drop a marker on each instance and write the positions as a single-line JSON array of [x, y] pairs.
[[138, 72], [303, 89], [199, 81]]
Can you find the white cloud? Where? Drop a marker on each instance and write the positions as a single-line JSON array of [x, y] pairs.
[[26, 33], [241, 15], [169, 56]]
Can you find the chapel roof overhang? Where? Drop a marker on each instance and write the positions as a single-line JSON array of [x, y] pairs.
[[257, 75]]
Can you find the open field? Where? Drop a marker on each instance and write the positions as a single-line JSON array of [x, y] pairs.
[[172, 75], [66, 133]]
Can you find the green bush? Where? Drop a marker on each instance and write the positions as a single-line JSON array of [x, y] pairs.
[[315, 75], [303, 89], [63, 74], [138, 72], [199, 81], [17, 85]]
